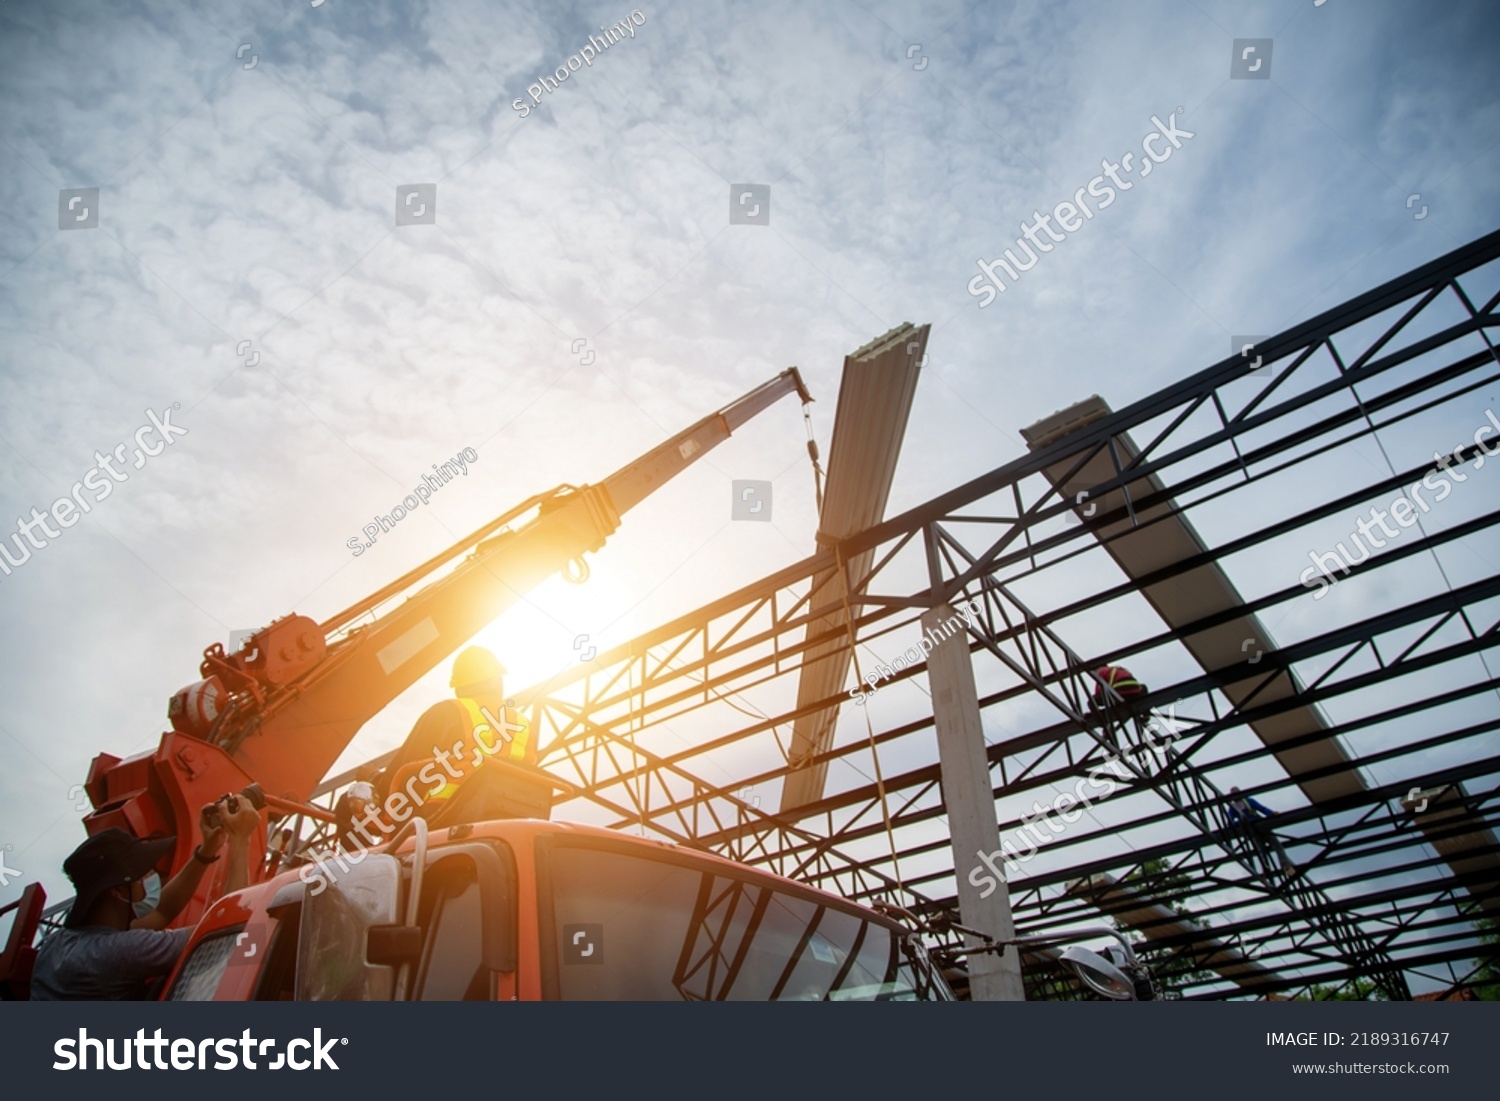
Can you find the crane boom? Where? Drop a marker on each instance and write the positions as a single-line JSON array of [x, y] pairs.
[[298, 691]]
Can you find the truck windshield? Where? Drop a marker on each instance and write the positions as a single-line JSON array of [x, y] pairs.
[[672, 928]]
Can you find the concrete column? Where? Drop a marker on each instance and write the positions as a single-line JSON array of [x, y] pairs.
[[971, 808]]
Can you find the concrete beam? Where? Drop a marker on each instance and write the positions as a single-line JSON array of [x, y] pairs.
[[876, 392], [1170, 538], [970, 804]]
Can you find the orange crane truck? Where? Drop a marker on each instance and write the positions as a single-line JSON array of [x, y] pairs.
[[485, 899]]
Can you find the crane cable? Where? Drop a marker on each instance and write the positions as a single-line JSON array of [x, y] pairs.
[[885, 809], [812, 453]]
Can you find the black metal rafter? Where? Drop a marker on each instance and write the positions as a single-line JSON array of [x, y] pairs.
[[615, 727]]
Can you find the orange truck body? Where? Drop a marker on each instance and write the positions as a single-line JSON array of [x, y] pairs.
[[734, 933]]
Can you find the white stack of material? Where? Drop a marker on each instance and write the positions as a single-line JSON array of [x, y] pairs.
[[875, 397]]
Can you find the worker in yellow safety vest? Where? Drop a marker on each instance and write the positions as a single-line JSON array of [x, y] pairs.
[[453, 738]]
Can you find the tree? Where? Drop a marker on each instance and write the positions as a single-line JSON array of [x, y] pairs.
[[1360, 990], [1487, 978], [1172, 968]]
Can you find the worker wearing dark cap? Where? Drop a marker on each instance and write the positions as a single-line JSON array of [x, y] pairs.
[[115, 943]]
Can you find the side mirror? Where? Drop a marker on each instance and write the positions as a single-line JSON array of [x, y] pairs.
[[393, 945]]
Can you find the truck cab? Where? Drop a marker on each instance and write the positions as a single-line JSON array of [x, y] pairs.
[[528, 910]]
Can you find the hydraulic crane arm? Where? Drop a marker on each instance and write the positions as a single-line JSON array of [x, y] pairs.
[[636, 481], [281, 710]]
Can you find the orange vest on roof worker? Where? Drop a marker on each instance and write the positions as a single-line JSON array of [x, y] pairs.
[[1119, 678]]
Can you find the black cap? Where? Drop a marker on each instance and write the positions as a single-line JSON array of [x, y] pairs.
[[111, 858]]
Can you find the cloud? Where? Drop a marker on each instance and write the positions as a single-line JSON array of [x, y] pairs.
[[258, 204]]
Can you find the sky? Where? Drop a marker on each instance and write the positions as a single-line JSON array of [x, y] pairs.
[[577, 293]]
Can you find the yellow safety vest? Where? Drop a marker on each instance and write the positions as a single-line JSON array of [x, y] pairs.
[[482, 741], [519, 746]]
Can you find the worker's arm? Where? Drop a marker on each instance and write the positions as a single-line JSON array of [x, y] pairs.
[[440, 725], [178, 892], [241, 825], [1259, 808]]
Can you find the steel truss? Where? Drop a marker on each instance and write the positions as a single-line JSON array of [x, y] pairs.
[[1325, 894]]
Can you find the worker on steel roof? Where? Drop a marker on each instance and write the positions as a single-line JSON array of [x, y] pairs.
[[115, 943], [1245, 812], [454, 737], [1243, 808], [1120, 679]]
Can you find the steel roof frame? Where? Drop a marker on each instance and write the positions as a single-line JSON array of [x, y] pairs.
[[1339, 918]]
